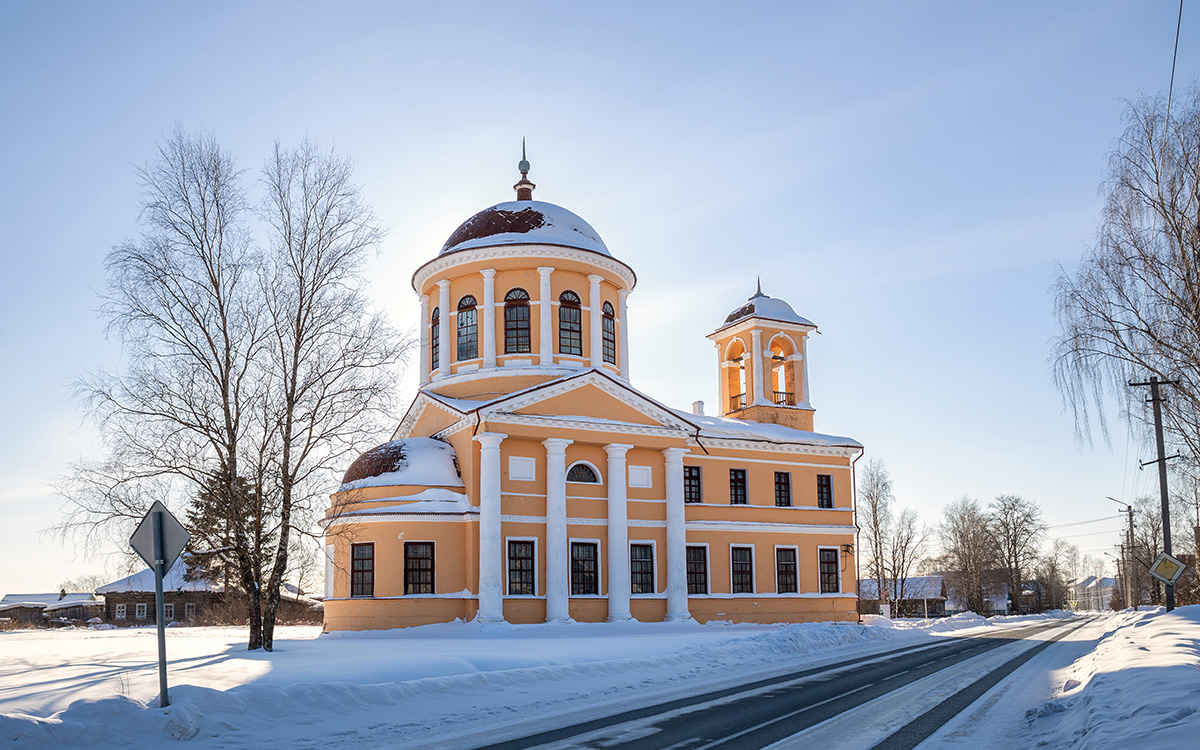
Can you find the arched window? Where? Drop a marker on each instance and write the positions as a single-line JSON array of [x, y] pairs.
[[609, 334], [584, 472], [516, 322], [570, 324], [468, 331], [435, 338]]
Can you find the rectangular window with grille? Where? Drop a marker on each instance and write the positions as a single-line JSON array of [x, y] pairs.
[[520, 568], [742, 578], [119, 612], [189, 610], [783, 489], [824, 491], [697, 570], [168, 611], [516, 329], [691, 485], [641, 568], [737, 486], [140, 611], [570, 330], [785, 571], [609, 339], [584, 569], [418, 567], [827, 566], [362, 569]]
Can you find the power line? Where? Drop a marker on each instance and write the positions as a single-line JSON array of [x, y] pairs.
[[1080, 523]]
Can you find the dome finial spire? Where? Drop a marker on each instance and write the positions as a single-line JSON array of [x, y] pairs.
[[524, 187], [758, 289]]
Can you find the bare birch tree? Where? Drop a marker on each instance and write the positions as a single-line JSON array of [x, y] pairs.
[[969, 551], [329, 359], [250, 374], [875, 521], [1131, 309], [907, 544], [1018, 528]]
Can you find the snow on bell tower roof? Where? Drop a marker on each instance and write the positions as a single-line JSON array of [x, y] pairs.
[[761, 306]]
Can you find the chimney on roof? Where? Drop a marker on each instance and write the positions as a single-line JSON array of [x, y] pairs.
[[698, 408], [62, 594], [524, 188]]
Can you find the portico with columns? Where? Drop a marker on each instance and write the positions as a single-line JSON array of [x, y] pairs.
[[530, 481]]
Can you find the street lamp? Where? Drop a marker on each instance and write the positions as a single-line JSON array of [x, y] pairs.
[[1124, 577]]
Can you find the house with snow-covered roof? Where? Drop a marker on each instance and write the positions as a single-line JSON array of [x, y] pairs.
[[41, 609], [915, 596], [530, 481], [130, 600]]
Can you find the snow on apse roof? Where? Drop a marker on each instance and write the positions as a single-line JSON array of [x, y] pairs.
[[525, 223], [410, 461]]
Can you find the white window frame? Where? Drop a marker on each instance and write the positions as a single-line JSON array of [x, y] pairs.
[[536, 581], [840, 588], [599, 474], [599, 569], [189, 610], [118, 611], [641, 477], [522, 469], [753, 570], [653, 562], [168, 611], [775, 565], [707, 568], [140, 611]]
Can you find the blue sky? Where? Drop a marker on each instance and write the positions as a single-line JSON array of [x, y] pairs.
[[905, 175]]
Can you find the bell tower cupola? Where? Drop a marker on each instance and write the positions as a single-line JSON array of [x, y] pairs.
[[762, 350]]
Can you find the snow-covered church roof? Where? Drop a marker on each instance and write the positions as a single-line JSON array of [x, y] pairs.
[[762, 306], [525, 222], [421, 461]]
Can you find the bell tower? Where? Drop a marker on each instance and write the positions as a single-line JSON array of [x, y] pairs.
[[762, 356]]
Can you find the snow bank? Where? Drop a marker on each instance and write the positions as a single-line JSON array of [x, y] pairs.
[[401, 688], [1139, 687]]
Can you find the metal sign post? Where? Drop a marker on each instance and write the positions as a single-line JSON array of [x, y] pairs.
[[158, 540]]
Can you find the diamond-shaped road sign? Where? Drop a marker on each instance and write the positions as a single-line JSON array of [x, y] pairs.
[[175, 537], [1166, 568]]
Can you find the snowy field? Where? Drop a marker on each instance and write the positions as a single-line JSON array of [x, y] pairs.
[[1120, 677]]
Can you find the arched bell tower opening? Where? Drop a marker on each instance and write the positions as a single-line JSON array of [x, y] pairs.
[[784, 391]]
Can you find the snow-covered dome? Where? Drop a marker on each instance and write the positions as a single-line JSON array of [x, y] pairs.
[[412, 461], [762, 306], [525, 222]]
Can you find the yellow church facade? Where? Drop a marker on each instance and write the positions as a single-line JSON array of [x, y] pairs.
[[529, 481]]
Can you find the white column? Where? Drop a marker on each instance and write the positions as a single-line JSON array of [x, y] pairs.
[[595, 316], [618, 534], [677, 594], [546, 347], [488, 333], [760, 395], [806, 402], [623, 332], [491, 559], [558, 584], [445, 356], [423, 327]]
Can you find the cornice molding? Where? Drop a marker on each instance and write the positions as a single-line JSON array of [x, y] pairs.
[[531, 252]]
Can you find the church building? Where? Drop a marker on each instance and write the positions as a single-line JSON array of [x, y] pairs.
[[530, 481]]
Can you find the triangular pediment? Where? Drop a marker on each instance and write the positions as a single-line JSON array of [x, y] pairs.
[[426, 416], [589, 397]]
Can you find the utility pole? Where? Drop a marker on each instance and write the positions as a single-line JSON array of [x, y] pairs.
[[1127, 549], [1157, 400]]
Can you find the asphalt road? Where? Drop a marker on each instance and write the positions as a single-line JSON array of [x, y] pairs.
[[761, 713]]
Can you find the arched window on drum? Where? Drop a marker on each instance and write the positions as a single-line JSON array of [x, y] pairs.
[[435, 338], [468, 329], [516, 322], [608, 332], [570, 324]]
